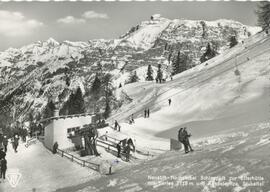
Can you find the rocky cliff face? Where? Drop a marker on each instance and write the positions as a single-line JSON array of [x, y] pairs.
[[32, 74]]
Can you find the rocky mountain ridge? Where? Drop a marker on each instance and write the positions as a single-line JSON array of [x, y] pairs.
[[37, 72]]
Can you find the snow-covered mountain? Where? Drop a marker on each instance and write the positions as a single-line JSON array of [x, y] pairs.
[[32, 74], [224, 104]]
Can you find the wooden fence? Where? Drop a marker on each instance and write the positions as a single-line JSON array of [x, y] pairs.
[[90, 165]]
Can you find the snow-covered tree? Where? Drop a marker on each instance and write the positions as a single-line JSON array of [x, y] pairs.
[[233, 41], [263, 14], [133, 77], [180, 64], [176, 65], [107, 110], [159, 73], [209, 53], [77, 104], [149, 74], [108, 94], [96, 85], [74, 105]]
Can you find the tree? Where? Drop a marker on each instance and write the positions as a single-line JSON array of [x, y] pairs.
[[107, 110], [67, 80], [209, 53], [49, 109], [149, 74], [263, 14], [108, 94], [159, 73], [77, 105], [233, 41], [133, 77], [96, 85], [180, 64], [176, 65]]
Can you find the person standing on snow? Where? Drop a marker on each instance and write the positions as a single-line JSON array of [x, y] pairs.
[[5, 143], [132, 119], [170, 101], [116, 125], [145, 113], [181, 139], [16, 143], [55, 147], [118, 147], [148, 112], [1, 140], [2, 153], [187, 135], [3, 168]]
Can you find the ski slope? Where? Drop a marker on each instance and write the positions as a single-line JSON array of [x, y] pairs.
[[42, 171], [227, 115], [205, 92]]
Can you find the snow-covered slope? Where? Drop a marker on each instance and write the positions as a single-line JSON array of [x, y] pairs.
[[41, 170], [147, 33], [203, 93], [223, 103], [226, 113]]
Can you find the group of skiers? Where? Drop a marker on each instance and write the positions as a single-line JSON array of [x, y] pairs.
[[3, 161], [146, 113], [126, 145], [4, 142], [183, 137]]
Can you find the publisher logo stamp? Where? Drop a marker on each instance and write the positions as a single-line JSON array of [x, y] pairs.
[[14, 177]]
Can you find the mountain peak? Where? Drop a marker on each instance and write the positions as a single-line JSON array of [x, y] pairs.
[[156, 17], [52, 42]]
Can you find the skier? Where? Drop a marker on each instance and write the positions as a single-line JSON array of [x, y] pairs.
[[145, 113], [55, 147], [5, 143], [16, 143], [187, 139], [3, 168], [118, 147], [181, 138], [131, 144], [148, 112], [169, 100], [132, 119], [119, 127], [116, 125]]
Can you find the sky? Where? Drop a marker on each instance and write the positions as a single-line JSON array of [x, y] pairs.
[[22, 23]]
